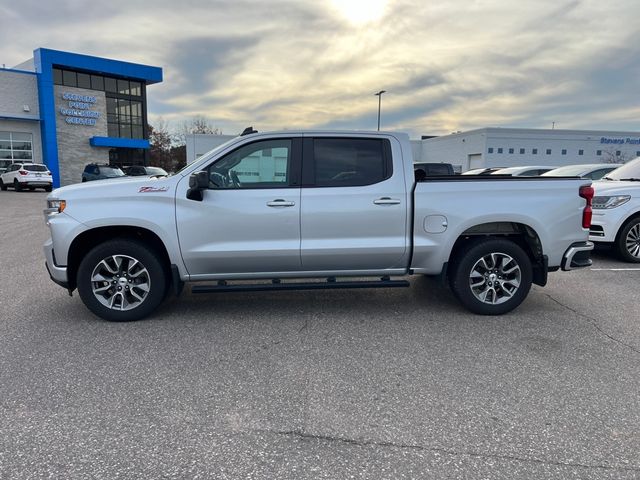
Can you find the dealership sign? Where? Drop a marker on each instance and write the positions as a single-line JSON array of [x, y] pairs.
[[620, 141], [79, 109]]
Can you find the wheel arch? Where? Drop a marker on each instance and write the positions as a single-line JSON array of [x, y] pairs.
[[88, 239], [521, 234]]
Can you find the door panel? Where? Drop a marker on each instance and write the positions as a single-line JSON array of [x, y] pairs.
[[249, 219], [237, 231], [352, 227]]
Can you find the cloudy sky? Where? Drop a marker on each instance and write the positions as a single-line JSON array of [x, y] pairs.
[[446, 65]]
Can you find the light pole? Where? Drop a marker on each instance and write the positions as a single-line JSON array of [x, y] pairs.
[[379, 94]]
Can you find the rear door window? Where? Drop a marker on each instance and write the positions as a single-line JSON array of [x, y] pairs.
[[343, 162]]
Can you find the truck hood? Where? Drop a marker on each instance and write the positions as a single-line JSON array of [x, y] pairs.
[[116, 187], [616, 187]]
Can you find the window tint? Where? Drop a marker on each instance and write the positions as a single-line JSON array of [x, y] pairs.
[[349, 162], [35, 168], [263, 164]]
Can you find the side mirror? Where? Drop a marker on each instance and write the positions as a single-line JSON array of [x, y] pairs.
[[198, 182]]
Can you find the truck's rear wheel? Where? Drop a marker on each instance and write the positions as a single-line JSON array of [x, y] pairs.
[[121, 280], [628, 241], [491, 276]]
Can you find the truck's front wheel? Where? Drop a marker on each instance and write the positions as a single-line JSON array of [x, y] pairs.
[[121, 280], [491, 276]]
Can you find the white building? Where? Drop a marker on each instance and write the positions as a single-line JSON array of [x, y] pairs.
[[200, 143], [510, 147]]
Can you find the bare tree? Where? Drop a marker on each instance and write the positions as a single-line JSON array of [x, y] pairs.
[[611, 155], [196, 125], [160, 149]]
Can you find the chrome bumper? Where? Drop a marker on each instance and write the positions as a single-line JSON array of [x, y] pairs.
[[577, 256]]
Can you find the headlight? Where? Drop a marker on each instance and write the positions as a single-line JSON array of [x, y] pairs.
[[605, 202], [55, 206]]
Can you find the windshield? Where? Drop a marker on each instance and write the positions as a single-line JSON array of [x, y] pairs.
[[155, 171], [626, 171], [568, 171], [111, 172]]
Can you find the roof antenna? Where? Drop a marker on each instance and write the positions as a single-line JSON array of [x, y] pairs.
[[248, 131]]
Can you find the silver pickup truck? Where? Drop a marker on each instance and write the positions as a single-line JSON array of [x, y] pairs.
[[311, 210]]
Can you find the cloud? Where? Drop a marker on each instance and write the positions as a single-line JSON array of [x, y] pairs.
[[297, 64]]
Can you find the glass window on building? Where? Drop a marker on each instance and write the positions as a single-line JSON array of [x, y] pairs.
[[638, 153], [598, 152], [57, 76], [511, 150], [534, 151], [548, 151], [580, 152], [123, 87], [69, 78], [84, 80], [522, 151], [618, 152], [97, 82], [490, 150], [500, 150], [564, 151], [136, 89], [16, 146], [110, 85]]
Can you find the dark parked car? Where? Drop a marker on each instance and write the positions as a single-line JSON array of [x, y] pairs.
[[423, 170], [95, 171], [140, 170]]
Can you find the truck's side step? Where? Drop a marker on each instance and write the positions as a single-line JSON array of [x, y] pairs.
[[277, 284]]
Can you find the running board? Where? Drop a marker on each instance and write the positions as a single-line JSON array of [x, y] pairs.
[[277, 284]]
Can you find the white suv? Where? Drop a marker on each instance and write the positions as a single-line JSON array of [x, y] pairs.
[[616, 211], [26, 175]]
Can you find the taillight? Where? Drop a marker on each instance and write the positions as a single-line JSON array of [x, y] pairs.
[[586, 192], [22, 172]]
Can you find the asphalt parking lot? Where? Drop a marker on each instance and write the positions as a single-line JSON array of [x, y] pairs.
[[399, 383]]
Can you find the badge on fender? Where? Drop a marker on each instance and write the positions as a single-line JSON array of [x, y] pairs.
[[152, 189]]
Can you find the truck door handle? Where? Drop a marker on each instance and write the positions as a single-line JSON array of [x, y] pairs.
[[279, 202], [386, 201]]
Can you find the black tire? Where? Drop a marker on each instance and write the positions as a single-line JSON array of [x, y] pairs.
[[48, 189], [130, 279], [627, 244], [3, 187], [505, 282], [16, 185]]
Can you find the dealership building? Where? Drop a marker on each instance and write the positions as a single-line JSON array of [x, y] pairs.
[[511, 147], [66, 110]]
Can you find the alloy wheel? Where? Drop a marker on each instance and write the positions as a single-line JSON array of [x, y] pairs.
[[495, 278], [120, 282]]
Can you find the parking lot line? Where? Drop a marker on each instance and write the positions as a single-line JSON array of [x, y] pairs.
[[615, 269]]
